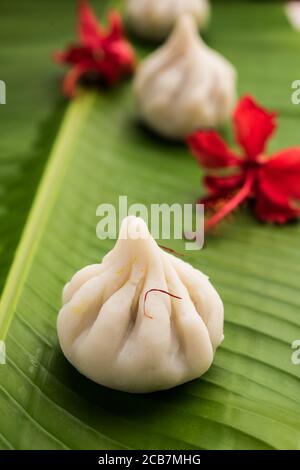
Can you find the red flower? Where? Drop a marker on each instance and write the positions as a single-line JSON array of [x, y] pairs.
[[103, 53], [273, 183]]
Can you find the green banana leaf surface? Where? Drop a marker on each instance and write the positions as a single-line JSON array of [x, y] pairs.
[[58, 162]]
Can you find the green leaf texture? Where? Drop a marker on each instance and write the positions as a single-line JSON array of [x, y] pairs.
[[29, 32], [250, 397]]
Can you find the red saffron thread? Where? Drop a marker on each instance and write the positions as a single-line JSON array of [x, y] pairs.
[[162, 292], [170, 250]]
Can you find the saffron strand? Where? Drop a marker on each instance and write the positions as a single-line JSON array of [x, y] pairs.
[[162, 292]]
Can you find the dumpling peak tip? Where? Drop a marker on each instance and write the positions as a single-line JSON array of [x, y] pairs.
[[134, 228], [186, 30], [187, 21]]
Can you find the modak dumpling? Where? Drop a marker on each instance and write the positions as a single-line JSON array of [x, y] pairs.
[[142, 320], [185, 85], [154, 19]]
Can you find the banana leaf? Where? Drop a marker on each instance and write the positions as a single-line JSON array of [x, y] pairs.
[[250, 398], [29, 31]]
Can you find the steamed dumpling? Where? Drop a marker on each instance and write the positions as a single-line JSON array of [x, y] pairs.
[[154, 19], [185, 85], [119, 331]]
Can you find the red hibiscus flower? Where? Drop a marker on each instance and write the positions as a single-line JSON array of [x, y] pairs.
[[104, 53], [271, 182]]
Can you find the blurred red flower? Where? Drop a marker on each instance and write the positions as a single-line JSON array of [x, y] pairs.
[[104, 53]]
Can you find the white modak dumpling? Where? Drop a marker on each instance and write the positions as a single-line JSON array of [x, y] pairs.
[[154, 19], [142, 320], [185, 85]]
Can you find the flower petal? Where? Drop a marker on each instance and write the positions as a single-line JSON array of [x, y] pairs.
[[278, 187], [115, 26], [269, 211], [282, 172], [211, 151], [222, 185], [89, 30], [254, 125], [73, 55]]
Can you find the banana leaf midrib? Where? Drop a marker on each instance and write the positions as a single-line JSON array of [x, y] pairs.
[[41, 207]]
